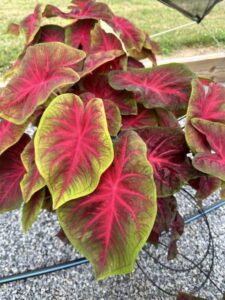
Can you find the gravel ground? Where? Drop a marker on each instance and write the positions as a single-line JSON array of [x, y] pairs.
[[41, 248]]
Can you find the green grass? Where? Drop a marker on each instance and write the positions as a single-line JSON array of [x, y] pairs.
[[150, 15]]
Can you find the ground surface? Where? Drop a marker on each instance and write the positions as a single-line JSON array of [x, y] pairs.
[[41, 248], [150, 15]]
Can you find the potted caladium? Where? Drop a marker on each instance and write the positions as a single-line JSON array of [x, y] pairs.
[[108, 152]]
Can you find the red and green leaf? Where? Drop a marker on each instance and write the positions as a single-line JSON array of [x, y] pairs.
[[98, 85], [44, 68], [132, 36], [51, 33], [80, 11], [72, 147], [205, 186], [10, 134], [144, 118], [149, 118], [111, 225], [167, 153], [166, 86], [98, 59], [204, 104], [211, 162], [11, 173], [32, 180], [102, 41], [78, 35], [112, 113], [31, 24], [32, 209]]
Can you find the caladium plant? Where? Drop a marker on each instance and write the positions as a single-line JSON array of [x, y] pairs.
[[107, 153]]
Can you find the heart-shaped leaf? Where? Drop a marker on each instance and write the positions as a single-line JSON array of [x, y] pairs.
[[11, 173], [166, 86], [32, 209], [211, 162], [167, 152], [111, 225], [72, 147], [44, 68], [207, 104], [10, 134], [32, 180]]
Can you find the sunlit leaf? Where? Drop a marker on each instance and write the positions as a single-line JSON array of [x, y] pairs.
[[72, 147], [111, 225]]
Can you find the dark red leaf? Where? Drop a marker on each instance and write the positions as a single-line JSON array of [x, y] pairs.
[[98, 85], [167, 153], [51, 33], [11, 173], [205, 186], [78, 35]]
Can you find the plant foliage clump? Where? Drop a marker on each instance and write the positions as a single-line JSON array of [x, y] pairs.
[[108, 153]]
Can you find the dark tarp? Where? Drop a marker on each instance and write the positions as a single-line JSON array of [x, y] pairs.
[[196, 10]]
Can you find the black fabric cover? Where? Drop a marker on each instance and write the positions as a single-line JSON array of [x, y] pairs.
[[196, 10]]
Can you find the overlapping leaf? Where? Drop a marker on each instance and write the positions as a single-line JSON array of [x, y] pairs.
[[206, 104], [32, 209], [166, 86], [73, 147], [79, 11], [168, 218], [79, 34], [11, 173], [149, 118], [102, 41], [211, 162], [98, 59], [167, 152], [111, 225], [205, 185], [144, 118], [10, 134], [112, 113], [98, 85], [51, 33], [31, 24], [32, 180], [44, 68], [132, 36]]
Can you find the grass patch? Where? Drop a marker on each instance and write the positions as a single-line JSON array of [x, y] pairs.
[[150, 15]]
